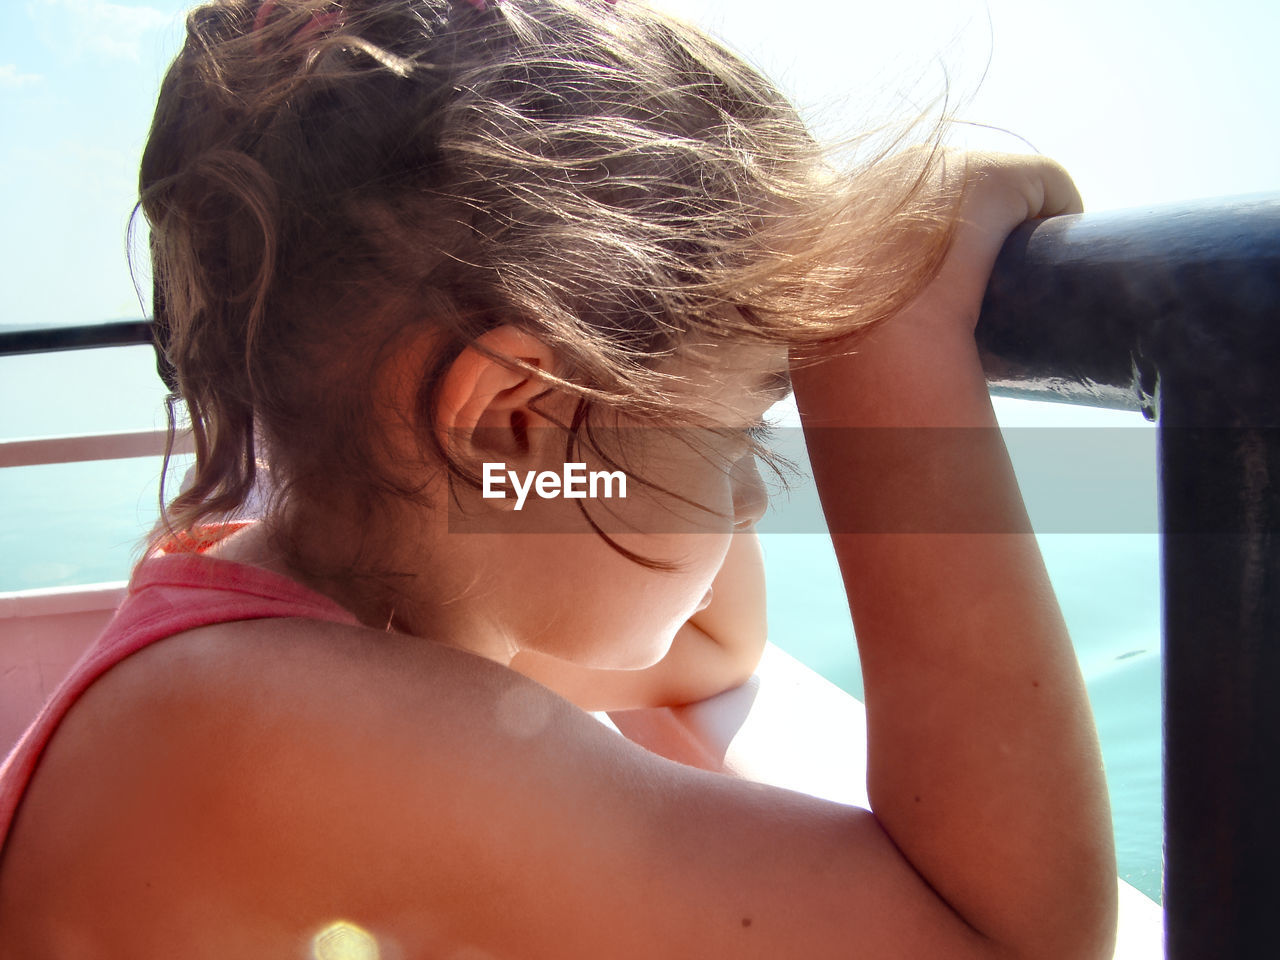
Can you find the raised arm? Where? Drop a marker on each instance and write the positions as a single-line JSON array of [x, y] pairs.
[[984, 766]]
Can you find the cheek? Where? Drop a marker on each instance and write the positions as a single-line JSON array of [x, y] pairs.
[[624, 615], [680, 482], [584, 601], [667, 599]]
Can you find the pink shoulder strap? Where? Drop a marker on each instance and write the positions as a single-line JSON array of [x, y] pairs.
[[169, 594]]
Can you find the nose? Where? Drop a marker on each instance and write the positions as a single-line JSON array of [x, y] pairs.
[[750, 498]]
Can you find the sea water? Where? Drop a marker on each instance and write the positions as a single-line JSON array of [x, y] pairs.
[[81, 523]]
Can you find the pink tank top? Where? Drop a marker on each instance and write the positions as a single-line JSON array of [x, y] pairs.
[[178, 589]]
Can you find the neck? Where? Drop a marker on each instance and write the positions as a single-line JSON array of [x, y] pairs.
[[410, 583]]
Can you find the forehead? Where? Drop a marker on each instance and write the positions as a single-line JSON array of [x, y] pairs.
[[736, 376]]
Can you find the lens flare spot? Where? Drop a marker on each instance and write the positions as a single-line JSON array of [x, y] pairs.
[[343, 940], [522, 713]]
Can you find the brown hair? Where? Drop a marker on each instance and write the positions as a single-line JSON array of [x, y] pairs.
[[323, 179]]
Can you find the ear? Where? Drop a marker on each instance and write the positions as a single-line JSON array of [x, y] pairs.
[[482, 407]]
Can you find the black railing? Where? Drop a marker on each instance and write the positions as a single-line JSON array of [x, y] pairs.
[[117, 333], [1176, 312]]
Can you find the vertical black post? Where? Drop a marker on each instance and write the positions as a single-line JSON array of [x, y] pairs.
[[1177, 311], [1220, 504]]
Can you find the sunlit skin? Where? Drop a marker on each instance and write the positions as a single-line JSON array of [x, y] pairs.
[[239, 789], [719, 644]]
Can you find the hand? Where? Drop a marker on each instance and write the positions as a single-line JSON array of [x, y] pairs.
[[923, 343], [1006, 189], [1000, 191]]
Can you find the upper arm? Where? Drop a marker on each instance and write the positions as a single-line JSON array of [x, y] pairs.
[[443, 800]]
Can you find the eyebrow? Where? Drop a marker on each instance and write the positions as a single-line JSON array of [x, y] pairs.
[[775, 384]]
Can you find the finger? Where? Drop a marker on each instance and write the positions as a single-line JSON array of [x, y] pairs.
[[1061, 195]]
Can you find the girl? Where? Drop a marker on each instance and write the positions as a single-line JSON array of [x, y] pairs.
[[402, 247]]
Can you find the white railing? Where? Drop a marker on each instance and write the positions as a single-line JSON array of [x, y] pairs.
[[83, 447]]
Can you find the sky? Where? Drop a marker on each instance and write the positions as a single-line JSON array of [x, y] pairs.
[[1145, 101]]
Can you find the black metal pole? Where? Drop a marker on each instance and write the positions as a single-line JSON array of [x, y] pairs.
[[1221, 571], [1177, 312], [115, 333]]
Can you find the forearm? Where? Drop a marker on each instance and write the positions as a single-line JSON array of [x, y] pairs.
[[983, 761]]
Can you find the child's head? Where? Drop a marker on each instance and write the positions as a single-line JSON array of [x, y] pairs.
[[329, 184]]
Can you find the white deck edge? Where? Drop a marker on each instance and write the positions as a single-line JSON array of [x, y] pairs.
[[52, 601], [90, 446]]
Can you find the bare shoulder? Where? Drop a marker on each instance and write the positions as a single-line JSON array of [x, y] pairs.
[[241, 789]]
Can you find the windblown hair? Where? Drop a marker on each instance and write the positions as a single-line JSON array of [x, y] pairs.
[[323, 180]]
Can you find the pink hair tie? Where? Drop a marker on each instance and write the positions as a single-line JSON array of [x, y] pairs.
[[482, 5], [320, 22]]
